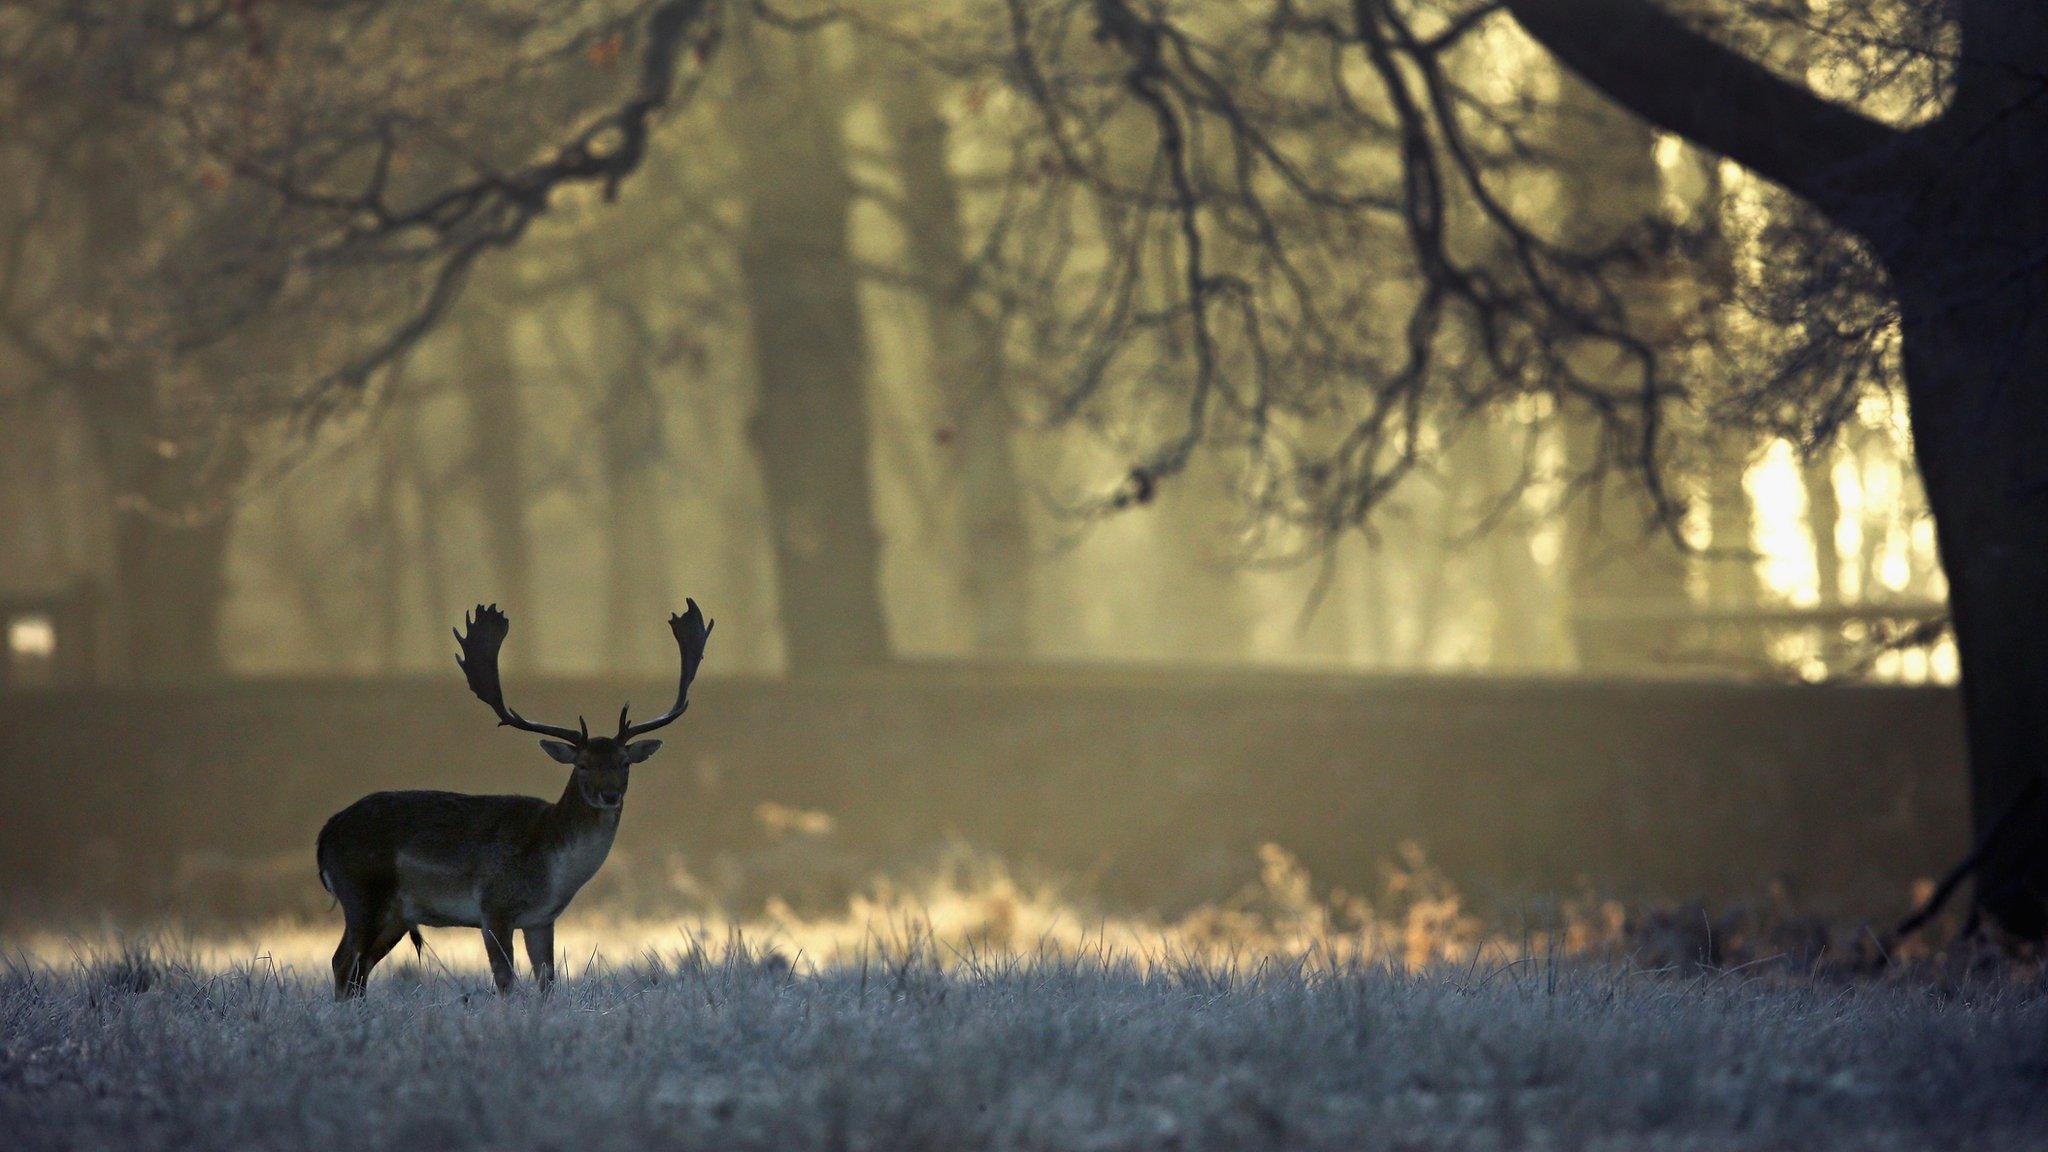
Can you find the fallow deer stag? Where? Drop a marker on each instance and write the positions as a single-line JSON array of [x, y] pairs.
[[398, 860]]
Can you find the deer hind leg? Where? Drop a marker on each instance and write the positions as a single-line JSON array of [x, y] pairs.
[[389, 933], [498, 945], [365, 941], [351, 967], [540, 953], [348, 963]]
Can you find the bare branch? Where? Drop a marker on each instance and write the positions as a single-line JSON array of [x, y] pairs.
[[1656, 66]]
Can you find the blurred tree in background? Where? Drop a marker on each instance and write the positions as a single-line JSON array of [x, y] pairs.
[[1010, 246], [230, 217]]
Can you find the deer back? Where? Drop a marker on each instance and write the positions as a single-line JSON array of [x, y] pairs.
[[374, 843]]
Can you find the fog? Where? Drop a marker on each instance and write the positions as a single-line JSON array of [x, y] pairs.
[[586, 435], [1005, 385]]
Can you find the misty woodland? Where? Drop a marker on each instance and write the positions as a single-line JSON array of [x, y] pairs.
[[1290, 573]]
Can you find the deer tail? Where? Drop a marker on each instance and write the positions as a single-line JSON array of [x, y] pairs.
[[419, 943]]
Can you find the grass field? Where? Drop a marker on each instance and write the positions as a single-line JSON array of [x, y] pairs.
[[924, 1047], [971, 1010]]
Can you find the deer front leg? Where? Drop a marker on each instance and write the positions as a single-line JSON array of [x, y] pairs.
[[540, 953], [498, 945]]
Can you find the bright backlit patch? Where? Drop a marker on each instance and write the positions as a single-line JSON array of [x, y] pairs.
[[33, 637]]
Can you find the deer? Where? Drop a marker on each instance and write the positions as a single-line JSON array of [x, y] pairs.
[[395, 861]]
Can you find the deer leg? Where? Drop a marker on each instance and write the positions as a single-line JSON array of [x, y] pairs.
[[348, 964], [498, 944], [540, 953], [358, 920], [389, 933], [363, 943]]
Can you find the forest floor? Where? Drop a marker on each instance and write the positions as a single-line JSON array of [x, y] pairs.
[[929, 1045]]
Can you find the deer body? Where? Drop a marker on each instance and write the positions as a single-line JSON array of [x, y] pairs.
[[396, 861], [447, 856]]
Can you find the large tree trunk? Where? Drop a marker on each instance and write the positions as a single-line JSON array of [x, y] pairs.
[[988, 497], [1974, 370], [810, 355], [1958, 211]]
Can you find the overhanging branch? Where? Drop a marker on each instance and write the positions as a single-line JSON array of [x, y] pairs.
[[1677, 78]]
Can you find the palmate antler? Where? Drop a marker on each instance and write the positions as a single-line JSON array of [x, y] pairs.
[[692, 631], [479, 663], [487, 628]]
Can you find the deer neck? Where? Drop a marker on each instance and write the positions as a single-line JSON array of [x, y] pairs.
[[574, 819]]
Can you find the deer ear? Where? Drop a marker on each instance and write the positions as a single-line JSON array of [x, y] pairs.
[[640, 750], [563, 753]]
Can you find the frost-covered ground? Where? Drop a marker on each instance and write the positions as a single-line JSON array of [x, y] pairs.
[[927, 1047]]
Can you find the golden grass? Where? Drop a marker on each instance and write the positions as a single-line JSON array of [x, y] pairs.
[[968, 906]]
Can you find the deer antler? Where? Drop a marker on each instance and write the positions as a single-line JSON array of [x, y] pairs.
[[692, 631], [479, 663]]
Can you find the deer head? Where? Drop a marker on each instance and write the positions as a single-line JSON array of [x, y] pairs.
[[601, 763]]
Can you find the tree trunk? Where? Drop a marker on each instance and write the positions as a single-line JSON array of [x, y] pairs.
[[172, 520], [1731, 560], [497, 462], [1823, 512], [172, 584], [425, 551], [1525, 619], [1198, 584], [1964, 260], [1980, 423], [169, 482], [810, 355], [1624, 573], [387, 588], [988, 498], [631, 434], [1366, 594]]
